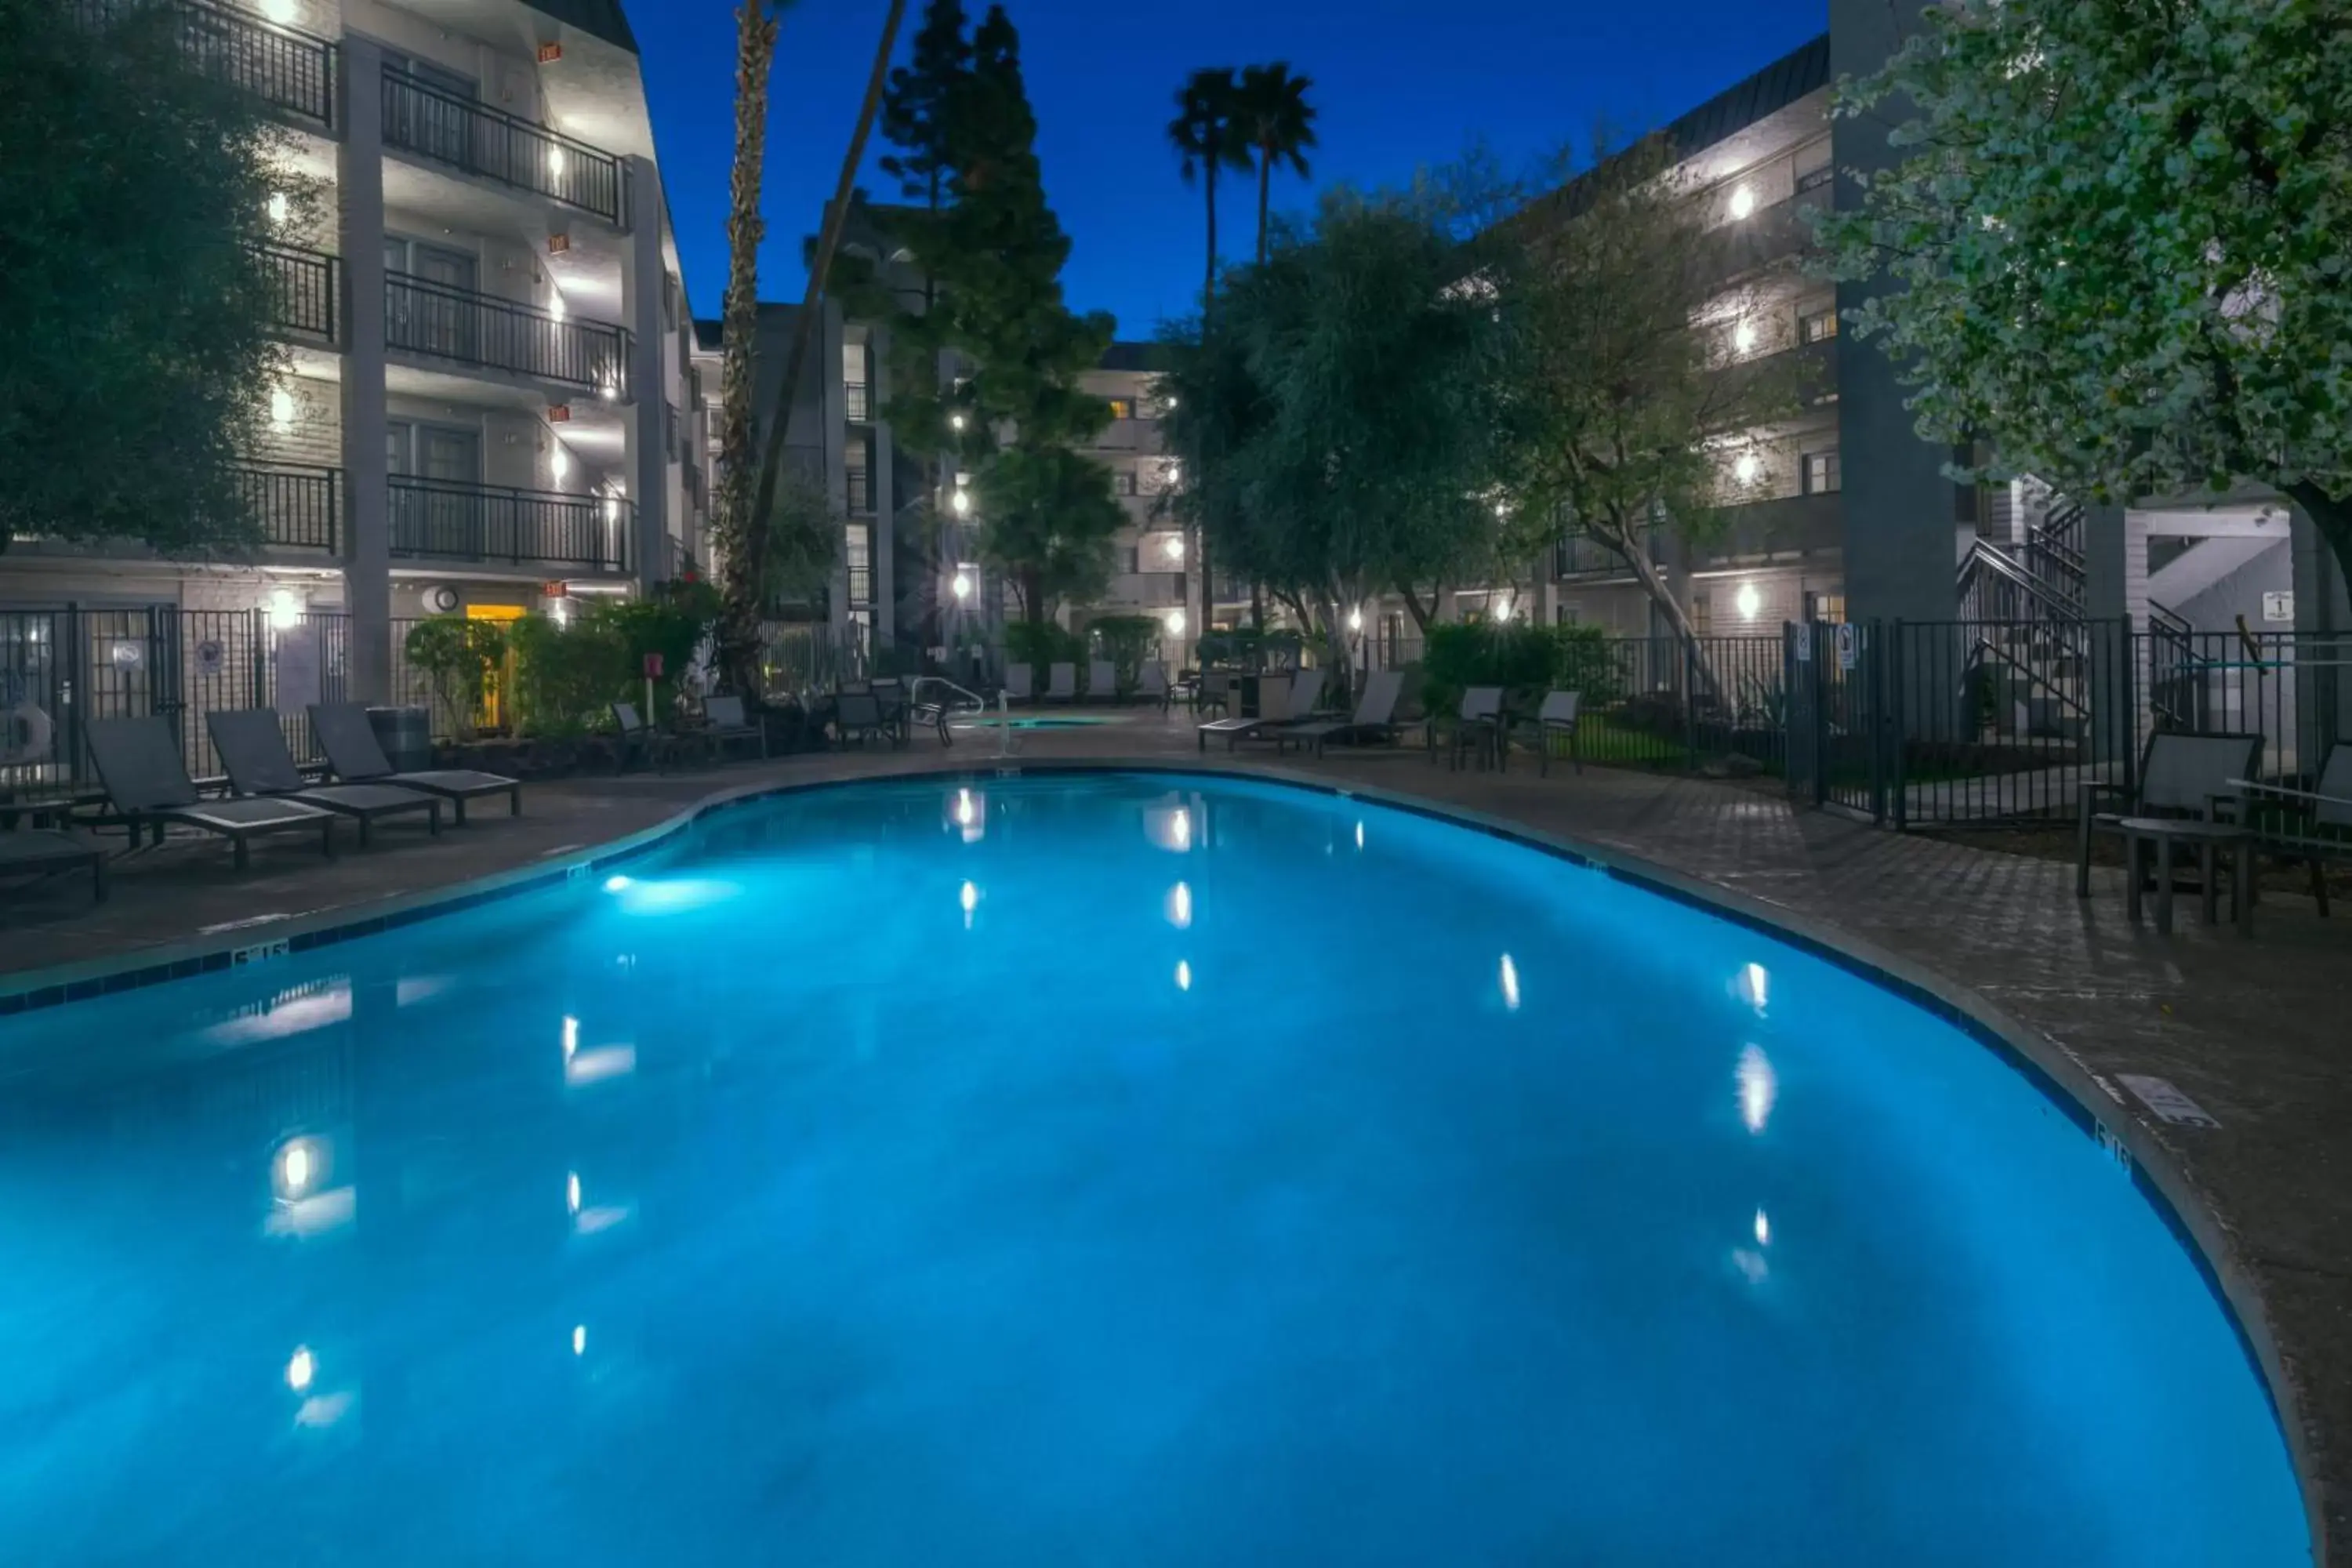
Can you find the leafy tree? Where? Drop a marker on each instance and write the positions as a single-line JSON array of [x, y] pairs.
[[1048, 517], [1335, 413], [1279, 124], [1626, 408], [136, 319], [2120, 239], [804, 539]]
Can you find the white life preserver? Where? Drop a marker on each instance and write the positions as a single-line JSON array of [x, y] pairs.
[[24, 735]]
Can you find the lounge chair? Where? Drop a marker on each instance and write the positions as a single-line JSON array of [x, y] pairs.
[[40, 852], [2313, 825], [1102, 682], [859, 713], [253, 748], [649, 743], [724, 722], [1279, 704], [1151, 685], [354, 757], [1020, 683], [2181, 774], [1062, 684], [148, 785], [1558, 717], [1374, 719], [1477, 721]]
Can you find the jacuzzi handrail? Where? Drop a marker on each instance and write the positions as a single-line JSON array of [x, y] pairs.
[[963, 702]]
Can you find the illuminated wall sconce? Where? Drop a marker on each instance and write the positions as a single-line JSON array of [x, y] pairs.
[[281, 408], [1174, 547], [1748, 468], [1749, 600], [1743, 336], [559, 463], [1743, 201]]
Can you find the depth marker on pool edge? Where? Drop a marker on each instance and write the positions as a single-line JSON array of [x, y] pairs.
[[2169, 1103]]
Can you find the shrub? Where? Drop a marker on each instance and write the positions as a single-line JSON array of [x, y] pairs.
[[1039, 644], [1127, 641], [565, 676], [461, 658]]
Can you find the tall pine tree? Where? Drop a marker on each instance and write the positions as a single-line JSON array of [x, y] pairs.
[[992, 253]]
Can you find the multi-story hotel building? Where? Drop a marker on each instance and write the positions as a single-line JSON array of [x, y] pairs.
[[490, 401]]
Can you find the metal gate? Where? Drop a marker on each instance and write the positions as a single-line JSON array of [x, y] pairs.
[[1837, 722], [61, 667]]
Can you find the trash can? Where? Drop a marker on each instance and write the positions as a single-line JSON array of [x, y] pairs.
[[406, 736]]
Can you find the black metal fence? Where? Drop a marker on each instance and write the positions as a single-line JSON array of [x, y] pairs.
[[298, 508], [446, 322], [302, 289], [62, 668], [284, 66], [480, 140], [492, 523], [2293, 689]]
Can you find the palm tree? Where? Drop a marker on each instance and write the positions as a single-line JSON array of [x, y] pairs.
[[1279, 122], [1207, 137]]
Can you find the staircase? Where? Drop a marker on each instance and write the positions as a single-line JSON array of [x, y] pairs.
[[2029, 632]]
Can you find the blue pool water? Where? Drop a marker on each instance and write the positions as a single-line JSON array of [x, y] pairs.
[[1104, 1169]]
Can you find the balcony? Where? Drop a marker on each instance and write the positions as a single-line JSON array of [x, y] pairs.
[[858, 398], [858, 493], [298, 508], [285, 67], [493, 525], [458, 324], [301, 291], [488, 142], [1580, 555]]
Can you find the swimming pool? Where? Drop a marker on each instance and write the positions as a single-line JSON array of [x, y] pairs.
[[1093, 1168]]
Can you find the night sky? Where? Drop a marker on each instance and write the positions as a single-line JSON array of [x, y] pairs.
[[1398, 83]]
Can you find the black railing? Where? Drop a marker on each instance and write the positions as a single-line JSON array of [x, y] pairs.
[[298, 508], [858, 397], [282, 65], [493, 523], [459, 324], [302, 290], [449, 128], [858, 492]]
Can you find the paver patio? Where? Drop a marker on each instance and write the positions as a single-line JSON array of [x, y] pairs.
[[2257, 1032]]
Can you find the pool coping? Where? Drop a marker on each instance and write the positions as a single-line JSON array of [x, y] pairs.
[[2053, 1071]]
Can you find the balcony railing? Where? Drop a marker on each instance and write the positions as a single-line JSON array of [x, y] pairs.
[[491, 523], [459, 324], [302, 289], [859, 492], [298, 508], [859, 397], [282, 65], [450, 128]]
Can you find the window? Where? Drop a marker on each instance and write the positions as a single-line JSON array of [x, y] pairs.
[[1130, 555], [1819, 326], [1122, 481], [669, 302], [1821, 471], [1122, 408], [1816, 178], [1825, 607], [1702, 615], [1569, 614]]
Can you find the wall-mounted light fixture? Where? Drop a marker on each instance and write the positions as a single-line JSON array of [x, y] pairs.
[[1743, 200], [1747, 468], [281, 408], [1749, 600]]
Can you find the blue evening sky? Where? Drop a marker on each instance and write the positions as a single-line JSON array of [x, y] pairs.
[[1398, 83]]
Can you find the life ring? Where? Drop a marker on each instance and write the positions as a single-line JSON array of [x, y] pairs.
[[24, 735]]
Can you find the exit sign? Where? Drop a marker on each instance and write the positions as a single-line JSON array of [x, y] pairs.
[[549, 53]]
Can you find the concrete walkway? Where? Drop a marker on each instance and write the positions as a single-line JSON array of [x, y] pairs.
[[2255, 1032]]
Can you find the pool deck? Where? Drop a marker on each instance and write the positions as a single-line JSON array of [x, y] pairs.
[[2258, 1033]]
